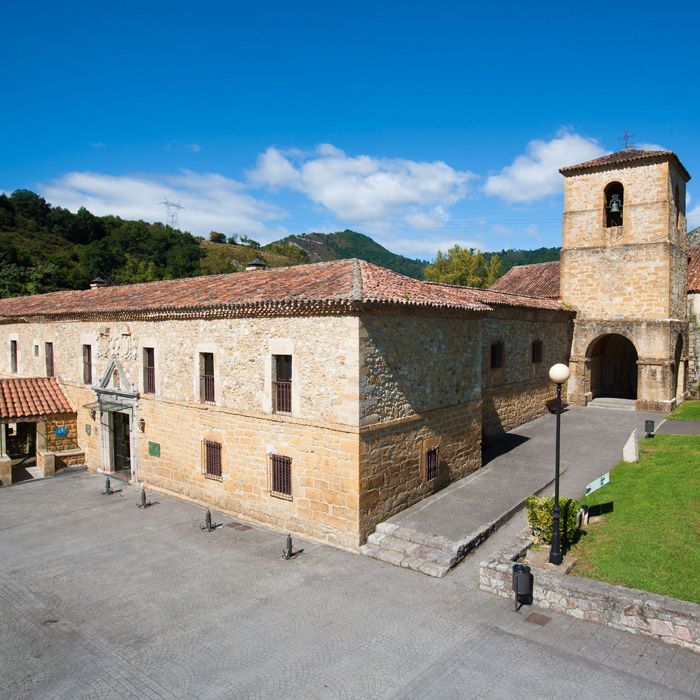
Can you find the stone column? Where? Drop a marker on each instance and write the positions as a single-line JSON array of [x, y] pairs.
[[5, 461], [655, 379], [577, 388]]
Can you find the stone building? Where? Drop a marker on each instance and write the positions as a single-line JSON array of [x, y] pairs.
[[322, 399], [624, 269]]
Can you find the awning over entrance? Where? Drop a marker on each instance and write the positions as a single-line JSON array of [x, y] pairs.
[[31, 399], [107, 406]]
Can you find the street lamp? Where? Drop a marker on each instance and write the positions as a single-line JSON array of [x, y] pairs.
[[558, 374]]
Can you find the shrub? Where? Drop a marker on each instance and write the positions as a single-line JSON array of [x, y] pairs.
[[539, 515]]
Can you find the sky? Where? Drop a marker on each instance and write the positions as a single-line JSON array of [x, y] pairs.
[[422, 124]]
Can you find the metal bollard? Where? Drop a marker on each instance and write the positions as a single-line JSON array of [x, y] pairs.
[[108, 487], [207, 521], [287, 552]]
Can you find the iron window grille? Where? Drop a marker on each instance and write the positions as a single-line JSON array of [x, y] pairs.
[[13, 356], [280, 478], [48, 351], [536, 352], [431, 463], [149, 371], [211, 460], [282, 385], [87, 364], [206, 377], [497, 356]]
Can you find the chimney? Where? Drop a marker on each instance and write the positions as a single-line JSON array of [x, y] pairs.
[[98, 282], [256, 264]]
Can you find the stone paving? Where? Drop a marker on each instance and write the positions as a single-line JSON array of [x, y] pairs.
[[99, 599]]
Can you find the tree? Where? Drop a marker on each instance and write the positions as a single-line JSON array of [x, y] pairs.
[[463, 266], [249, 241], [31, 206], [217, 237]]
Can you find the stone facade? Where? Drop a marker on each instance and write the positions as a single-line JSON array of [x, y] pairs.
[[628, 280], [693, 382]]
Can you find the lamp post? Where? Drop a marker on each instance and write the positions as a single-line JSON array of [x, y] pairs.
[[558, 374]]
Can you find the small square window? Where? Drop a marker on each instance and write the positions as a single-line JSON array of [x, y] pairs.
[[13, 356], [281, 477], [87, 364], [537, 352], [211, 460], [431, 463], [496, 355]]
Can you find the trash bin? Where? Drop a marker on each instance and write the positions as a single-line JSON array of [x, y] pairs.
[[522, 584]]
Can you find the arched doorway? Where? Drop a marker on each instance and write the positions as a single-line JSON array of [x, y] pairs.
[[613, 363]]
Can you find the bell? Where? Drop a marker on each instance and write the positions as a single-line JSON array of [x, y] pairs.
[[615, 204]]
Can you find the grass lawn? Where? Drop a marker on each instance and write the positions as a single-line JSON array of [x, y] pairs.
[[651, 539], [688, 410]]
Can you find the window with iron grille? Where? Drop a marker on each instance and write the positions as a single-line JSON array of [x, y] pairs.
[[431, 463], [282, 385], [281, 477], [87, 364], [149, 371], [211, 459], [13, 356], [206, 377], [48, 352], [496, 355], [537, 352]]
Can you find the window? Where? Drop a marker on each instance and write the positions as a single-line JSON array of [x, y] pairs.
[[206, 377], [48, 352], [87, 364], [13, 356], [431, 464], [614, 203], [281, 477], [211, 460], [496, 355], [36, 350], [282, 385], [149, 371], [537, 352]]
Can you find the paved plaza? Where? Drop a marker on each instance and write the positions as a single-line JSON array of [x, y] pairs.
[[99, 599]]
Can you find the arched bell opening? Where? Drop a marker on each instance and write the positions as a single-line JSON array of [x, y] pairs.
[[614, 204], [613, 367]]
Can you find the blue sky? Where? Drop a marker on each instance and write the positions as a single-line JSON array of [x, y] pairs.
[[420, 124]]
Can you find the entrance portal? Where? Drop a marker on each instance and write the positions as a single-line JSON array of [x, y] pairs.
[[121, 441], [613, 362]]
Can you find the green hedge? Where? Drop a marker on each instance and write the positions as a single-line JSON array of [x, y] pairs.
[[539, 515]]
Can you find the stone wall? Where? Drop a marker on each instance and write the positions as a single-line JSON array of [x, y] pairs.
[[693, 381], [672, 621], [392, 459], [69, 441], [518, 392]]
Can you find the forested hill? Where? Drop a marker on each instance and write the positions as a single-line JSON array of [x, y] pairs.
[[350, 244], [46, 248]]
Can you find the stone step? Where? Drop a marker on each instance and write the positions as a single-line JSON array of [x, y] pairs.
[[433, 555], [391, 556]]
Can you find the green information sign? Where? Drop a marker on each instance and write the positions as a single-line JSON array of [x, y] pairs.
[[154, 449]]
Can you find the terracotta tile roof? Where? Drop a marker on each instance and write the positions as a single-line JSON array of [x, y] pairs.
[[32, 397], [631, 155], [694, 269], [537, 280], [340, 282]]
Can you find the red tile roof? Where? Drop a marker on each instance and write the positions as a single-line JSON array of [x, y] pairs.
[[337, 283], [631, 155], [32, 397], [694, 269], [537, 280]]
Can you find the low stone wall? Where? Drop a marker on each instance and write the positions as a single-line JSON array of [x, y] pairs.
[[670, 620]]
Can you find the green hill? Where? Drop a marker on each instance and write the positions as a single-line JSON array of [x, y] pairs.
[[45, 248], [350, 244]]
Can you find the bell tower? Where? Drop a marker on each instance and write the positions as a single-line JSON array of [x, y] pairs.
[[624, 270]]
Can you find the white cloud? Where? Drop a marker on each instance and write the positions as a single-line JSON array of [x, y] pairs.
[[209, 201], [97, 144], [650, 147], [194, 147], [693, 217], [378, 191], [535, 175]]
